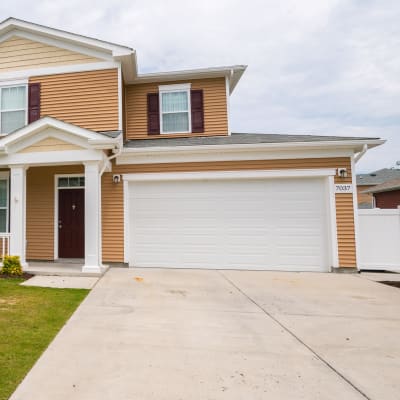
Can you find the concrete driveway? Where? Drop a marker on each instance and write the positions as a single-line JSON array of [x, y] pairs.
[[190, 334]]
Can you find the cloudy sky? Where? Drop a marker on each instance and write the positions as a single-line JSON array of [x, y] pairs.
[[327, 67]]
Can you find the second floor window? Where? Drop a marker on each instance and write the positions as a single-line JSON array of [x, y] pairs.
[[175, 109], [13, 108]]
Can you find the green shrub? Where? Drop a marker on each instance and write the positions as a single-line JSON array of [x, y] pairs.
[[12, 266]]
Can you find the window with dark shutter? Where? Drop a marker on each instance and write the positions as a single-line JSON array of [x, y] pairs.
[[33, 102], [153, 114], [197, 111]]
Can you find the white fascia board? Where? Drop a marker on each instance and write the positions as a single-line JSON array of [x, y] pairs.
[[232, 72], [237, 152], [61, 69], [13, 23], [244, 174], [51, 158]]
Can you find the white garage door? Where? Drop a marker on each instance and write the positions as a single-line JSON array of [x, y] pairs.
[[261, 224]]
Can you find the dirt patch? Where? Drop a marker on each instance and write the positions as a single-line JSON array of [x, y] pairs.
[[24, 276], [8, 302], [391, 283]]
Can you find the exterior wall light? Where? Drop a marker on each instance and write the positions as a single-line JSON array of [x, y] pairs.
[[342, 172], [116, 178]]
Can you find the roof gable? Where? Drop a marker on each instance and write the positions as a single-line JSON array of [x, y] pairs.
[[50, 134], [50, 143], [19, 53], [78, 44]]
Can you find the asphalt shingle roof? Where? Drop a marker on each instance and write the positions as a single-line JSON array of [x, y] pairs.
[[378, 177], [393, 184], [236, 138]]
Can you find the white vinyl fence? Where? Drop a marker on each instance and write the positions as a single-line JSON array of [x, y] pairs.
[[379, 239]]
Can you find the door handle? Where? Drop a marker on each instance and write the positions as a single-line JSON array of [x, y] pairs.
[[59, 226]]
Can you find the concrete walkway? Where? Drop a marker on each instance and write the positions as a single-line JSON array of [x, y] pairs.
[[61, 282], [190, 334]]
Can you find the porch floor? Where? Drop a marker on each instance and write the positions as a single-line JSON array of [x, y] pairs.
[[59, 268]]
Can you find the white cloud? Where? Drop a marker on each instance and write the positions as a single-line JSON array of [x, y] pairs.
[[322, 67]]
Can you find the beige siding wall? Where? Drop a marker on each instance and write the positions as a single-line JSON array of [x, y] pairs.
[[113, 231], [40, 209], [364, 197], [50, 144], [112, 218], [87, 99], [215, 108], [18, 53]]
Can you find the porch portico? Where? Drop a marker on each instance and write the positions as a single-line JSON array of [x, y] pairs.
[[44, 153]]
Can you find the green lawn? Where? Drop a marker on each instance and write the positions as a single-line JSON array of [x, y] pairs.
[[30, 317]]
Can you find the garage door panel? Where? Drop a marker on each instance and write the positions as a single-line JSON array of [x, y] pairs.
[[252, 224]]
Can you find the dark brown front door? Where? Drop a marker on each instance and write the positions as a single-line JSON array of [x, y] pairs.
[[71, 223]]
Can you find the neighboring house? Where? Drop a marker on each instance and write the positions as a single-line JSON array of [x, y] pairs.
[[104, 164], [386, 195], [370, 181]]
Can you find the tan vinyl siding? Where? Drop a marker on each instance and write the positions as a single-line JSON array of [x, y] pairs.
[[50, 144], [18, 53], [215, 108], [364, 197], [40, 209], [112, 219], [87, 99], [113, 230]]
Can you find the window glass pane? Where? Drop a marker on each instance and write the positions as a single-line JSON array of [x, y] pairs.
[[12, 120], [13, 98], [82, 181], [3, 220], [3, 192], [74, 181], [62, 182], [175, 122], [174, 101]]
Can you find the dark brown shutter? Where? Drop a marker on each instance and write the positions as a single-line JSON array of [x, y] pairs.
[[197, 111], [33, 102], [153, 114]]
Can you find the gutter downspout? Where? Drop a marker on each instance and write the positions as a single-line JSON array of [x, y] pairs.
[[360, 154], [116, 152]]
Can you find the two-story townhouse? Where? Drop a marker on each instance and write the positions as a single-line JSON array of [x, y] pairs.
[[104, 164]]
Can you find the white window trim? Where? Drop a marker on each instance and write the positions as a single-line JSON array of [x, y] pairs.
[[184, 87], [15, 83], [5, 175]]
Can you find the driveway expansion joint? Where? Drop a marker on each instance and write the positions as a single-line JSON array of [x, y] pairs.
[[297, 338]]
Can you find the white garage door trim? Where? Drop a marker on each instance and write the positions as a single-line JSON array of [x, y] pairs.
[[328, 173]]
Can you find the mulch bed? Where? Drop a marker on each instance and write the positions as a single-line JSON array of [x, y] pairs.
[[24, 276]]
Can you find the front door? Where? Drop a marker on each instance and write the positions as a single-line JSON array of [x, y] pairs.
[[71, 223]]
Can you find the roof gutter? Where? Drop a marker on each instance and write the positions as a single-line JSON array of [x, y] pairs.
[[349, 144]]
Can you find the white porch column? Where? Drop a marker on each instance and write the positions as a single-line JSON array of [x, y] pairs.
[[93, 262], [18, 212]]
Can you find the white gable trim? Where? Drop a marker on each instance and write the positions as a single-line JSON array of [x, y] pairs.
[[13, 23], [67, 132], [47, 133], [109, 52]]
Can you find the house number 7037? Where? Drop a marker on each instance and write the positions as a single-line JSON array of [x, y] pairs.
[[344, 188]]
